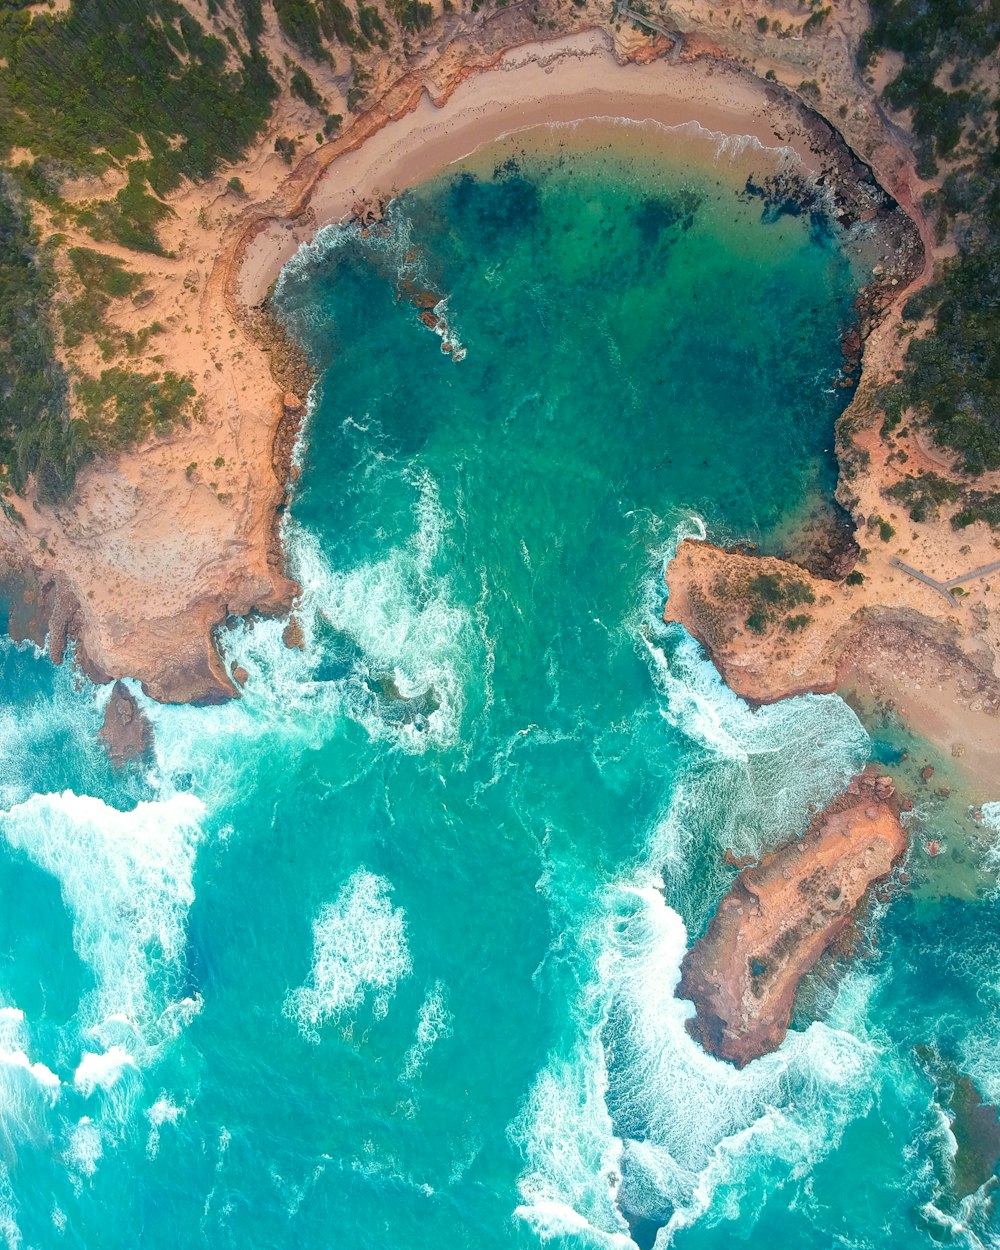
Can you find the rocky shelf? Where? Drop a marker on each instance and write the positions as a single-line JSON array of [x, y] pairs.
[[781, 915]]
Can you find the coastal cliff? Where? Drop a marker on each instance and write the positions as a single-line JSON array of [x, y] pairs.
[[781, 915]]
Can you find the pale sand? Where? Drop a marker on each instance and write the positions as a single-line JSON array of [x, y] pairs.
[[932, 699], [567, 80]]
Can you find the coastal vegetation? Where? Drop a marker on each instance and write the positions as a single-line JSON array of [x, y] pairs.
[[771, 596], [113, 82], [122, 406], [108, 85], [155, 94], [35, 436], [129, 99], [99, 280], [951, 374]]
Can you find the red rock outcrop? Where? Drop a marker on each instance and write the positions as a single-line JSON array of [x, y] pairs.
[[126, 733], [781, 915]]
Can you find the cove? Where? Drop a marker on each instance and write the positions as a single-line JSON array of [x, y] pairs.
[[384, 953]]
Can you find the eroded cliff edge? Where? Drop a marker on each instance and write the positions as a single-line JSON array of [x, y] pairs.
[[879, 637], [781, 914]]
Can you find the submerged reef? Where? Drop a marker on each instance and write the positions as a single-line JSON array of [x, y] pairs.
[[781, 915]]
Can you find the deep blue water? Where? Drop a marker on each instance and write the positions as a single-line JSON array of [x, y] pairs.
[[384, 954]]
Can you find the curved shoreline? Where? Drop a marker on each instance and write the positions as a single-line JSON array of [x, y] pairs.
[[143, 598], [542, 84]]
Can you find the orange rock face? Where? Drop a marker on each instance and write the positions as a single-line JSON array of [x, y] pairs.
[[779, 918]]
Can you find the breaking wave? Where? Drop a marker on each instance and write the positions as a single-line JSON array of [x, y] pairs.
[[637, 1125], [127, 880], [434, 1022], [359, 950], [615, 1134]]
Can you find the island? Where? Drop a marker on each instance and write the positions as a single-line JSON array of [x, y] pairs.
[[782, 914]]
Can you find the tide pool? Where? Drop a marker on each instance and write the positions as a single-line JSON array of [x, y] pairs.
[[383, 954]]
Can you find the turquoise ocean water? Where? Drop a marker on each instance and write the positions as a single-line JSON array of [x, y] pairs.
[[383, 954]]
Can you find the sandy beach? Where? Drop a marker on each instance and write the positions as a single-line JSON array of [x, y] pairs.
[[567, 80], [159, 545]]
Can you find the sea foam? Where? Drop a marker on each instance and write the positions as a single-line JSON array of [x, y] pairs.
[[101, 1071], [359, 950], [434, 1022], [636, 1121], [630, 1119], [29, 1089], [402, 623], [126, 878]]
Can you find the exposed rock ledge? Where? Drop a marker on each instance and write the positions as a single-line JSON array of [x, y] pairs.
[[781, 915], [126, 733], [774, 630]]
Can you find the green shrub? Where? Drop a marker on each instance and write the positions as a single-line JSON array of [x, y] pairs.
[[924, 494], [82, 87], [771, 595], [337, 22], [302, 86], [815, 20], [36, 436], [978, 506], [300, 23], [411, 14], [854, 578], [99, 279], [372, 26], [952, 374], [121, 407], [285, 148]]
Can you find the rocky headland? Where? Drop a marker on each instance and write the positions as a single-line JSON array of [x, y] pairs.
[[879, 637], [781, 914]]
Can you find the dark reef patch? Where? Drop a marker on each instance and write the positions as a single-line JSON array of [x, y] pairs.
[[492, 210]]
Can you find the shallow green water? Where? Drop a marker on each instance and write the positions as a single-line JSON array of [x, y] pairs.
[[385, 954]]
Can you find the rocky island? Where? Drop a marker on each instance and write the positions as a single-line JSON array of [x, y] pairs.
[[781, 915]]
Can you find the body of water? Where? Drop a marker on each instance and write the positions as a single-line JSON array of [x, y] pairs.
[[384, 953]]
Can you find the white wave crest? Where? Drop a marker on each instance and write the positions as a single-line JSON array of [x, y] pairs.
[[28, 1088], [359, 948], [434, 1021], [101, 1071], [126, 878], [410, 648], [623, 1123], [991, 819], [163, 1111], [400, 614], [758, 768], [84, 1148], [9, 1229]]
